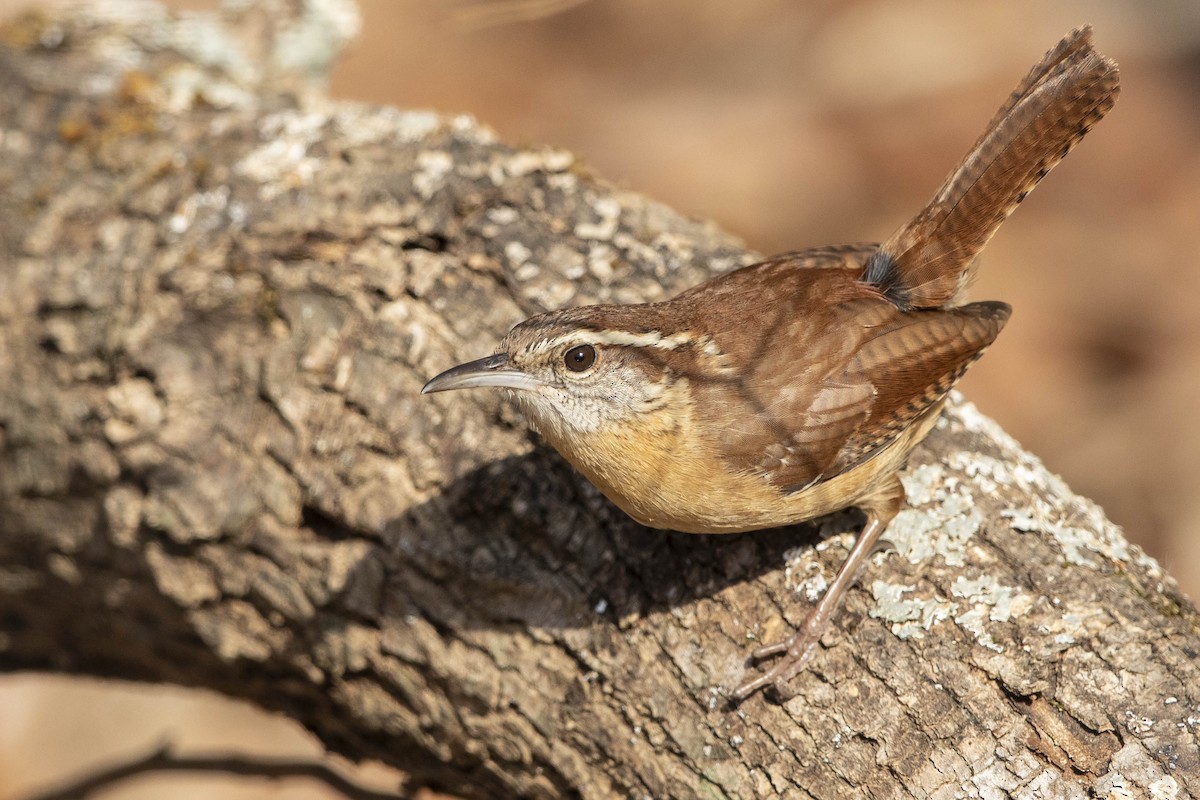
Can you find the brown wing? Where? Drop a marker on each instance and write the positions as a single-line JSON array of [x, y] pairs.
[[780, 376], [828, 373], [912, 364]]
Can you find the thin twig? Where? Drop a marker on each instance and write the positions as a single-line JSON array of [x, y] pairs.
[[161, 759]]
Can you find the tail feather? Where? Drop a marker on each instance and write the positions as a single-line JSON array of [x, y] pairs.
[[928, 262]]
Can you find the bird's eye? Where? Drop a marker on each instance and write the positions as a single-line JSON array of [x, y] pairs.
[[580, 358]]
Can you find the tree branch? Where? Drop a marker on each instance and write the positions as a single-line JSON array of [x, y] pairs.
[[218, 303]]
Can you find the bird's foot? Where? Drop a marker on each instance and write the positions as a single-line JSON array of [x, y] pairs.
[[797, 650]]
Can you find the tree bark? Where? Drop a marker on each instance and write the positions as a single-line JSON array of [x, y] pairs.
[[220, 294]]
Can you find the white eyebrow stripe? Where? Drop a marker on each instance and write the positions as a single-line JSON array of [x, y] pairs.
[[648, 339], [653, 339]]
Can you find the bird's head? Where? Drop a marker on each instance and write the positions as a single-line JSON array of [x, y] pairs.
[[579, 370]]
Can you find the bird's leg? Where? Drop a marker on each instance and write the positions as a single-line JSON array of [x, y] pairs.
[[881, 508]]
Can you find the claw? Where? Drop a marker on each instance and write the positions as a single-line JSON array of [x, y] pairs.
[[769, 649], [799, 646]]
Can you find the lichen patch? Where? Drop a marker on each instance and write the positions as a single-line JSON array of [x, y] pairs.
[[909, 617]]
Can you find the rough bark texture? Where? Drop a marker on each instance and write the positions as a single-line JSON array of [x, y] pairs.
[[217, 306]]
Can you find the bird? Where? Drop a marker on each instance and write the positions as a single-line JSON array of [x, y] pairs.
[[792, 388]]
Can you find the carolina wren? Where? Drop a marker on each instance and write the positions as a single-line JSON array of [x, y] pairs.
[[795, 387]]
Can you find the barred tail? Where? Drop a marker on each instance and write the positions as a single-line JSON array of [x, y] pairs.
[[928, 262]]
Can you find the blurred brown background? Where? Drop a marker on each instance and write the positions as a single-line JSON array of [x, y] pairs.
[[796, 124]]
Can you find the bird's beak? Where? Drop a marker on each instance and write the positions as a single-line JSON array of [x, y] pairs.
[[490, 371]]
